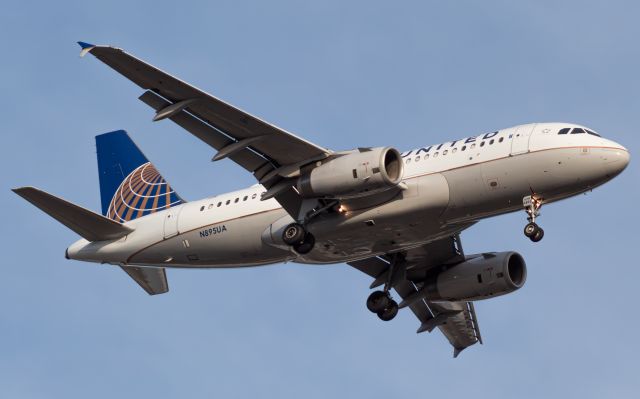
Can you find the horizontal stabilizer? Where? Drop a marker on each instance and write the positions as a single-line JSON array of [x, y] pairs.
[[88, 224], [151, 279]]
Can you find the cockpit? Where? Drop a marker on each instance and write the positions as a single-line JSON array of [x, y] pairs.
[[578, 130]]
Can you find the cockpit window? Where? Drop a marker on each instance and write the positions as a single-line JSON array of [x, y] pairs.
[[591, 132], [577, 130]]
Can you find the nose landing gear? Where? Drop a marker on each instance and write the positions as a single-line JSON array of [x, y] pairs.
[[532, 205]]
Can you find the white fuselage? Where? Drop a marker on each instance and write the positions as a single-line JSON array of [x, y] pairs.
[[447, 187]]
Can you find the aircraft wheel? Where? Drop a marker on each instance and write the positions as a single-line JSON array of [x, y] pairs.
[[389, 312], [306, 245], [538, 236], [377, 301], [531, 229], [293, 234]]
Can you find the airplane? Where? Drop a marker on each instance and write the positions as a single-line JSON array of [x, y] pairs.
[[394, 216]]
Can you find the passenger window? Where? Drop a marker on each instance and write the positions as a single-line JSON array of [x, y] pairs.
[[219, 203], [202, 208], [564, 131], [210, 206], [445, 152], [454, 150], [464, 147], [435, 155], [491, 142], [417, 158], [473, 146], [254, 196], [408, 160], [482, 144], [501, 140], [577, 131], [426, 156], [245, 198], [236, 201], [228, 202]]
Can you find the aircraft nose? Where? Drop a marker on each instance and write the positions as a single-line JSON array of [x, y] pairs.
[[617, 160]]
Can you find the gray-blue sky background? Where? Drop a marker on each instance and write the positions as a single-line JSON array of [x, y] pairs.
[[363, 74]]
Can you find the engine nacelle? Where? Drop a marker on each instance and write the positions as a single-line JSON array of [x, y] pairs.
[[482, 277], [353, 174]]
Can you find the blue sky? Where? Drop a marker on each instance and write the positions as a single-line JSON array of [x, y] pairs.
[[341, 75]]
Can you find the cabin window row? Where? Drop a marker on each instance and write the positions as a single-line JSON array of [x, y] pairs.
[[454, 150], [228, 202]]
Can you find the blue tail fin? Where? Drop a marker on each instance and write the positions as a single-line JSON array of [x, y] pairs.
[[130, 186]]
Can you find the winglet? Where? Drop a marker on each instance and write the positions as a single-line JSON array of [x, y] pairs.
[[86, 48]]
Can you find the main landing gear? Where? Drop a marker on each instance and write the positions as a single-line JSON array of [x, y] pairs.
[[297, 236], [532, 205], [380, 302]]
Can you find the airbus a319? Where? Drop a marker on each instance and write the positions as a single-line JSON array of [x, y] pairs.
[[394, 216]]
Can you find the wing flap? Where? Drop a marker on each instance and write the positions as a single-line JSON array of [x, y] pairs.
[[87, 224], [151, 279], [249, 160]]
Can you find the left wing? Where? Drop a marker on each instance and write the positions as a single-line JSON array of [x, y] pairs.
[[270, 153], [456, 320]]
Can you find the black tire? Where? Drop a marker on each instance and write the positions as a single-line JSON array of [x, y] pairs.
[[377, 301], [306, 245], [389, 312], [293, 234], [538, 236], [531, 229]]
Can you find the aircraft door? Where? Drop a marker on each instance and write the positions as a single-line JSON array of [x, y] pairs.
[[520, 140], [171, 221]]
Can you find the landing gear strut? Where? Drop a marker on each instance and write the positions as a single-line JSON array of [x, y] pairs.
[[297, 236], [532, 205], [380, 302]]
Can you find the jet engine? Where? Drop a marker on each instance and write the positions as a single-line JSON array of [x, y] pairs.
[[481, 277], [353, 174]]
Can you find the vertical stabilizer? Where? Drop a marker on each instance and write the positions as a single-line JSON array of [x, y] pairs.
[[130, 186]]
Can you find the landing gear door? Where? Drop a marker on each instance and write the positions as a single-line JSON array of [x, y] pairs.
[[171, 221], [520, 139]]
